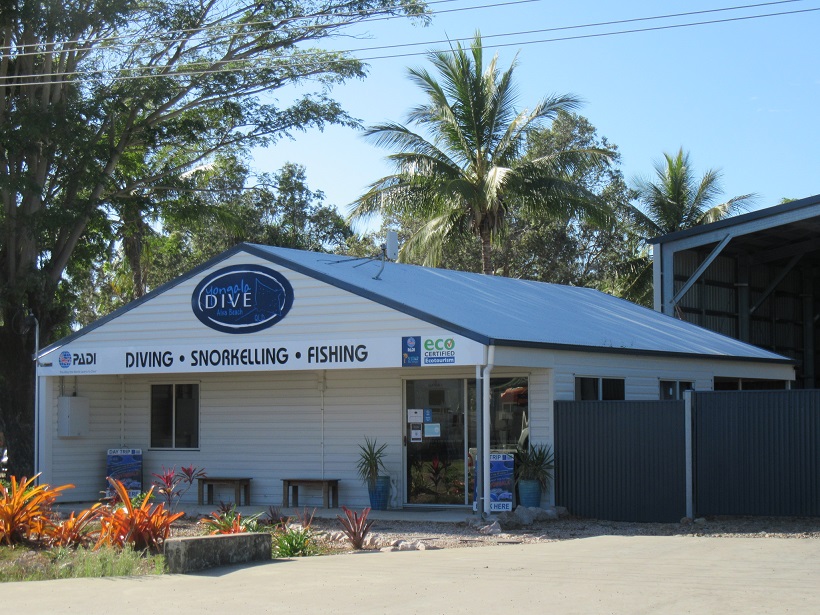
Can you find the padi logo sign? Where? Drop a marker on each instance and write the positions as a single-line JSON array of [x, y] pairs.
[[67, 359], [242, 299]]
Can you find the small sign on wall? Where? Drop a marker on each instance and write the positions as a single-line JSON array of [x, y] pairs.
[[415, 432], [432, 430], [415, 415]]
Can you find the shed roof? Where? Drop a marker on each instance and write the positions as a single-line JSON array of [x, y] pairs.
[[784, 223]]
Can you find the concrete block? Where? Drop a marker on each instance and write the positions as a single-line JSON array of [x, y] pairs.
[[194, 553]]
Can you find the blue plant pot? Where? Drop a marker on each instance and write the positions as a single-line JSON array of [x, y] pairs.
[[380, 494], [529, 493]]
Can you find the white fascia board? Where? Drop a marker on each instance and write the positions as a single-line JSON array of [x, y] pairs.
[[220, 355]]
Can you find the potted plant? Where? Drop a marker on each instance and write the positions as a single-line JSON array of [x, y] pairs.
[[371, 463], [534, 466]]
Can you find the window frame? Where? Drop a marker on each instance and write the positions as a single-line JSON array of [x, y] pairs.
[[599, 386], [678, 392], [198, 398]]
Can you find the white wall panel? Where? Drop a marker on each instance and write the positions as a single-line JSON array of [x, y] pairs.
[[168, 316]]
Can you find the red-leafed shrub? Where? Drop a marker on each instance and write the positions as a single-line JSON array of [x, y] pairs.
[[142, 527], [25, 509]]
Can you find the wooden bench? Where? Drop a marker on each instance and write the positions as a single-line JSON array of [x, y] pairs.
[[330, 490], [239, 485]]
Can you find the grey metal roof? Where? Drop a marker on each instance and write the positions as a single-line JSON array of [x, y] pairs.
[[509, 312], [492, 309], [792, 213]]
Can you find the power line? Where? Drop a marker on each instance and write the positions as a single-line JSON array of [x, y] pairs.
[[207, 71], [376, 16], [340, 24], [597, 35]]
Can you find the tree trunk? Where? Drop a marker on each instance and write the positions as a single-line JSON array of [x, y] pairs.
[[17, 397], [486, 252]]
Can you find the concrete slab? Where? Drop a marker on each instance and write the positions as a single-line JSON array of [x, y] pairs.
[[611, 574]]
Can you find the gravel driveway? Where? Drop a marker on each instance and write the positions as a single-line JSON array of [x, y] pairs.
[[438, 535]]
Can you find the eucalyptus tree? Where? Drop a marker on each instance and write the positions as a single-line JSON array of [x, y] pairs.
[[101, 100], [462, 178]]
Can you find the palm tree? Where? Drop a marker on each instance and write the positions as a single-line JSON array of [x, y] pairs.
[[464, 182], [674, 201], [677, 200]]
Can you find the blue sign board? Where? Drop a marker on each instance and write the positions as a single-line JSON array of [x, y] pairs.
[[242, 299], [502, 481], [411, 351], [428, 415], [125, 464]]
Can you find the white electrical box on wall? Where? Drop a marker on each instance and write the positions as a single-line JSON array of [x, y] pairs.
[[72, 417]]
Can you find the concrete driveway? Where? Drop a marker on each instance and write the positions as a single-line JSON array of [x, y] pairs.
[[593, 575]]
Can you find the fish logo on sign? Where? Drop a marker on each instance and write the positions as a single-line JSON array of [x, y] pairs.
[[242, 299]]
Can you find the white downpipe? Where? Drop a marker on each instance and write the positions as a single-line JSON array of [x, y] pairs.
[[322, 387], [122, 411], [485, 422], [37, 447], [479, 412]]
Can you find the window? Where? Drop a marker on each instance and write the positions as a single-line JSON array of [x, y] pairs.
[[599, 389], [673, 389], [175, 416]]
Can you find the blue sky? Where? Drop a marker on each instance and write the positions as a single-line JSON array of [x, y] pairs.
[[741, 96]]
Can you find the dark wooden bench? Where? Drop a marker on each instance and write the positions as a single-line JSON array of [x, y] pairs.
[[330, 490], [239, 485]]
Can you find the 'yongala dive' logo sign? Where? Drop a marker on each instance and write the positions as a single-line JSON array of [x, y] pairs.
[[242, 299]]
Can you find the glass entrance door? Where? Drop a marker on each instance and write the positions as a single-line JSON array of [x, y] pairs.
[[439, 468]]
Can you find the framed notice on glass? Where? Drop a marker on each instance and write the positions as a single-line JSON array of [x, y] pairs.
[[432, 430]]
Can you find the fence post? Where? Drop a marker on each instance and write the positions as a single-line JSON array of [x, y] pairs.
[[687, 417]]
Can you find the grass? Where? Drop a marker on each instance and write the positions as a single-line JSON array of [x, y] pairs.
[[23, 564]]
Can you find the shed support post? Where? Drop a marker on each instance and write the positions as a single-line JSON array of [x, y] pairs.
[[688, 441], [809, 367], [743, 314]]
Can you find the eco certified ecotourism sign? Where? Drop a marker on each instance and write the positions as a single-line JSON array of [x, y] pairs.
[[242, 299]]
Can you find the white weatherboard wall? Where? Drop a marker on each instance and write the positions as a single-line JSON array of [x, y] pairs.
[[642, 373], [267, 426], [321, 314]]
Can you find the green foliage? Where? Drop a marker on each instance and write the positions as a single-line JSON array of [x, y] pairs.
[[535, 463], [139, 499], [464, 181], [228, 520], [100, 150], [64, 563], [355, 526], [371, 461], [676, 199], [294, 542]]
